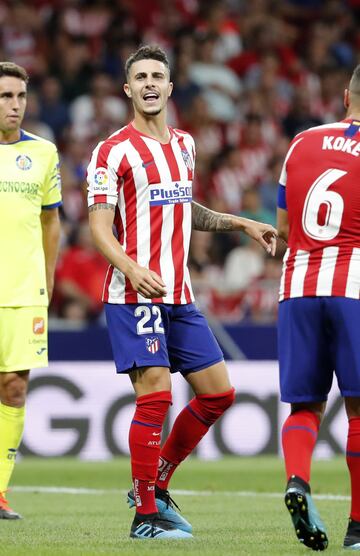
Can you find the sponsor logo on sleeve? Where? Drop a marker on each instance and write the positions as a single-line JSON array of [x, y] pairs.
[[38, 325], [101, 180]]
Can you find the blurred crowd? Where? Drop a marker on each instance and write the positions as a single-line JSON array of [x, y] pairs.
[[248, 75]]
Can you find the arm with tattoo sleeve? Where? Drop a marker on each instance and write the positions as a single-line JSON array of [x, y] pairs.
[[206, 220]]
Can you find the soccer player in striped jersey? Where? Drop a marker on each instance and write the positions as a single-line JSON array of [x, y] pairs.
[[319, 312], [30, 231], [140, 181]]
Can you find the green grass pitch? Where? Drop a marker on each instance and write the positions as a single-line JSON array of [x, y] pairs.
[[251, 521]]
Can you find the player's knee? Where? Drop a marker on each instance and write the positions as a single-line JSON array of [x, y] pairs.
[[212, 406], [151, 379], [352, 406], [13, 390], [315, 408], [14, 396]]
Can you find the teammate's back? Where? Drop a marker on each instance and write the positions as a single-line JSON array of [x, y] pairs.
[[320, 177], [319, 318]]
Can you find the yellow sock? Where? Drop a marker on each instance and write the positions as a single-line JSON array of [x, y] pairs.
[[11, 429]]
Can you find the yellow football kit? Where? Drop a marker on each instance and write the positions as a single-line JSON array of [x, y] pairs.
[[29, 183]]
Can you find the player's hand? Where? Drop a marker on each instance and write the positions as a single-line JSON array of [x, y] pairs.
[[146, 282], [265, 234]]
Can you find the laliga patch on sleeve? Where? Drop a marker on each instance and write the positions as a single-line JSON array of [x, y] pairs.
[[101, 180]]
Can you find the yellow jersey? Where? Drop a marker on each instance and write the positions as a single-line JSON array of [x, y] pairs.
[[29, 183]]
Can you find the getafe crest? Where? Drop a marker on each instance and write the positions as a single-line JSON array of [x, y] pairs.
[[23, 162]]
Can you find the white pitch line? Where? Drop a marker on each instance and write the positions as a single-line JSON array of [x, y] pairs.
[[238, 493]]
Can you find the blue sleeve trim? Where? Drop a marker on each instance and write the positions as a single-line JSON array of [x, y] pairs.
[[282, 197], [49, 207], [25, 137]]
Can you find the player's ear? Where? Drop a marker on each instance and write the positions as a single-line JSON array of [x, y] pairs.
[[127, 90], [346, 98], [171, 86]]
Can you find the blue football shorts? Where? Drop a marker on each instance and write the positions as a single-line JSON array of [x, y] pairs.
[[318, 336], [161, 335]]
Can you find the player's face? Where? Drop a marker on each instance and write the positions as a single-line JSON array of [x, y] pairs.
[[148, 86], [12, 103]]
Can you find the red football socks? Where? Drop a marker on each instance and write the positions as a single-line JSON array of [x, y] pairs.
[[190, 426], [353, 462], [144, 442], [299, 435]]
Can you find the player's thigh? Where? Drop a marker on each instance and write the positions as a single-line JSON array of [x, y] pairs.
[[23, 338], [138, 335], [305, 359], [212, 380], [344, 314], [191, 344]]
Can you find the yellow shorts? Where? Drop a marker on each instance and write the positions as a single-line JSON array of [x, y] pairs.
[[23, 338]]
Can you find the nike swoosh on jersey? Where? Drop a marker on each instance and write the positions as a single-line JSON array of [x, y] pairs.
[[146, 164]]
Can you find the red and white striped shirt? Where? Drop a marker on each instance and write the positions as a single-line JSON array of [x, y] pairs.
[[150, 184], [321, 175]]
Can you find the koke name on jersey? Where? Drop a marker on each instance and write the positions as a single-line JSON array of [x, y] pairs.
[[349, 146]]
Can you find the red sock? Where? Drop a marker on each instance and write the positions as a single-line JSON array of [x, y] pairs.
[[353, 462], [190, 426], [299, 435], [144, 442]]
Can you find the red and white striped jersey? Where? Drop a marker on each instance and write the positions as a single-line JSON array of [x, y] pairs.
[[321, 175], [150, 184]]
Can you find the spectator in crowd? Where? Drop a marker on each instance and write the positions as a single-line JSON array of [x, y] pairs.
[[33, 121], [80, 275], [218, 21], [229, 181], [53, 110], [300, 116], [222, 86], [92, 113], [252, 207], [268, 188]]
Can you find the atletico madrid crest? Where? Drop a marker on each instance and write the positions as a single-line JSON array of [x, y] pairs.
[[152, 344], [187, 159]]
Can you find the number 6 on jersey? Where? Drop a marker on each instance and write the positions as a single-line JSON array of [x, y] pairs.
[[318, 196]]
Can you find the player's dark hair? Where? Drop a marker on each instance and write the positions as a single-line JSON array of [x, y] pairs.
[[147, 52], [9, 69], [354, 85]]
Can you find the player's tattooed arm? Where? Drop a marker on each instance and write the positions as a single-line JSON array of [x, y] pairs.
[[206, 220], [98, 206]]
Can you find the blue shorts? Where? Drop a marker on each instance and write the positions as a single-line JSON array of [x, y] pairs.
[[161, 335], [318, 336]]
